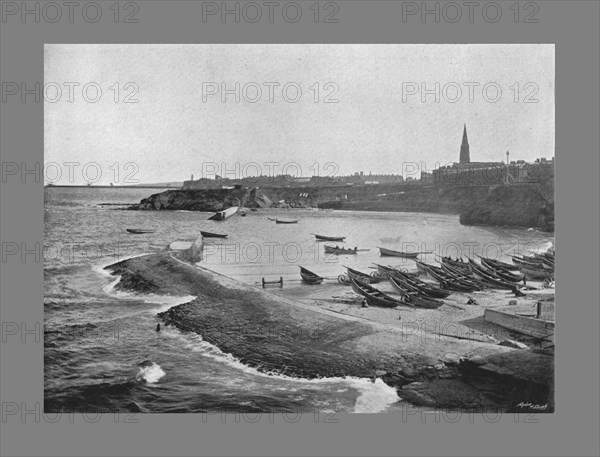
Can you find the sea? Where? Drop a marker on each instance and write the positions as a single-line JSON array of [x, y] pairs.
[[101, 350]]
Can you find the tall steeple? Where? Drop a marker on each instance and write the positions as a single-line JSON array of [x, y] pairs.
[[464, 148]]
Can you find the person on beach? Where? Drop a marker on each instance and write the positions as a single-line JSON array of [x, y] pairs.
[[158, 327]]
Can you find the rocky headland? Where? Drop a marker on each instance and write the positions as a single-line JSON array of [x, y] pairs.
[[518, 205]]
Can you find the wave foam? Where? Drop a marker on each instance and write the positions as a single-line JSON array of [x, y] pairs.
[[373, 397], [150, 373]]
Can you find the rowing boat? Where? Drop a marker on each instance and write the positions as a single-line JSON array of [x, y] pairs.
[[310, 277], [286, 221], [363, 277], [212, 235], [527, 261], [458, 275], [489, 277], [328, 238], [392, 253], [413, 296], [497, 264], [139, 231], [536, 273], [339, 251], [449, 281], [374, 296], [502, 273], [459, 265], [225, 214], [423, 287]]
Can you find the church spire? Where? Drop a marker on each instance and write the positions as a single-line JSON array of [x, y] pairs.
[[464, 148]]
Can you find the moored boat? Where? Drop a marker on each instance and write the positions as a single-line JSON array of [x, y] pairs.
[[339, 251], [139, 231], [225, 214], [310, 277], [392, 253], [286, 221], [212, 235], [328, 238]]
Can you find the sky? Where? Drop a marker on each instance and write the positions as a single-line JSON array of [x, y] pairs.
[[161, 115]]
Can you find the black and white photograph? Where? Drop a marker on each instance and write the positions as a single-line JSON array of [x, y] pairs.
[[299, 229]]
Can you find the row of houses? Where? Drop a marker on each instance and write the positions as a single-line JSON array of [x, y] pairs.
[[474, 173]]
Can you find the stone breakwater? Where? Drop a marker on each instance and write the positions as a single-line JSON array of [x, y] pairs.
[[276, 334]]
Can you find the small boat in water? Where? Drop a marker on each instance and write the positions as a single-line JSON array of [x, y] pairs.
[[341, 251], [225, 214], [310, 277], [286, 221], [328, 238], [392, 253], [212, 235], [139, 231], [374, 296]]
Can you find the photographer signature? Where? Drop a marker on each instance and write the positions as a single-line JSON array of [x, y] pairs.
[[532, 406]]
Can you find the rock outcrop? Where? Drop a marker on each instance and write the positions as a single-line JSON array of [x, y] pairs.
[[517, 205]]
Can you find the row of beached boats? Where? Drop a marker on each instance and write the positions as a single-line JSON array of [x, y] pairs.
[[453, 275]]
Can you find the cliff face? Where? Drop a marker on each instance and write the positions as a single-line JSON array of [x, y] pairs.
[[525, 205]]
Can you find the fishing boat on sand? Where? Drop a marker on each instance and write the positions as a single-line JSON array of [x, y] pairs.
[[537, 273], [363, 277], [417, 285], [328, 238], [498, 264], [139, 231], [374, 296], [414, 297], [310, 277], [212, 235]]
